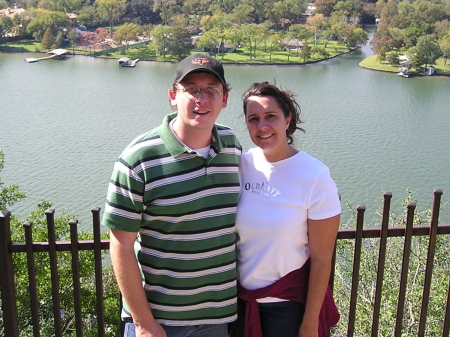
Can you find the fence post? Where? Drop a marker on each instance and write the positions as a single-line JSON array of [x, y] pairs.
[[32, 279], [76, 276], [381, 262], [98, 271], [50, 214], [356, 267], [430, 261], [8, 289]]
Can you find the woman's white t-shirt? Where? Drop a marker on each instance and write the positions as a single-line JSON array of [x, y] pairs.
[[275, 202]]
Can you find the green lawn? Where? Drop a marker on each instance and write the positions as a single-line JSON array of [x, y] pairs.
[[21, 46], [373, 63], [241, 55]]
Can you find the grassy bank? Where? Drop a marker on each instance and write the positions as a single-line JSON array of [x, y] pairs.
[[240, 56], [373, 63]]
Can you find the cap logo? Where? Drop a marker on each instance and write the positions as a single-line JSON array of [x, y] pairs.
[[200, 60]]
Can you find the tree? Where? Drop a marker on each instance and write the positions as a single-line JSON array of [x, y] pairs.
[[60, 39], [251, 36], [297, 8], [140, 12], [442, 27], [242, 14], [358, 37], [280, 13], [325, 7], [47, 19], [444, 44], [273, 42], [6, 26], [305, 52], [209, 40], [73, 38], [89, 16], [2, 39], [350, 35], [220, 24], [126, 33], [160, 34], [167, 9], [48, 40], [319, 53], [382, 45], [218, 21], [111, 10], [180, 42], [10, 194], [224, 6], [196, 7], [426, 52], [315, 24], [260, 9], [64, 6]]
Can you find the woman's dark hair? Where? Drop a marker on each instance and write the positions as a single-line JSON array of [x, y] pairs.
[[285, 100]]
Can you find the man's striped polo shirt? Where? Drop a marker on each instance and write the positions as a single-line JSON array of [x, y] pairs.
[[183, 206]]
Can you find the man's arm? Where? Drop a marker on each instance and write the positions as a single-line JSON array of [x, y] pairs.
[[129, 280]]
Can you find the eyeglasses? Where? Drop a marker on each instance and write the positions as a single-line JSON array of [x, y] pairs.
[[195, 92]]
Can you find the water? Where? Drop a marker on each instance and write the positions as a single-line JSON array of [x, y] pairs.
[[63, 124]]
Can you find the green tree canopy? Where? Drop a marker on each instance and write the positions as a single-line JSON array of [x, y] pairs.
[[48, 40], [180, 42], [444, 44], [64, 6], [10, 194], [425, 53], [89, 16], [111, 10], [47, 19], [126, 33]]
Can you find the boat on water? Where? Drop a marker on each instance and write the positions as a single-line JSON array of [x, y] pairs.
[[404, 74], [127, 62]]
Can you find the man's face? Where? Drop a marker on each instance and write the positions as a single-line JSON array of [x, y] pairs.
[[198, 110]]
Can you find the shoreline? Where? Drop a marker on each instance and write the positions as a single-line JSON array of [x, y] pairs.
[[439, 73], [11, 50]]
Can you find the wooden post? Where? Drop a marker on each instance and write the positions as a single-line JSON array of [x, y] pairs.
[[8, 289]]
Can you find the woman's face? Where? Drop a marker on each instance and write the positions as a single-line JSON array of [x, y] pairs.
[[267, 126]]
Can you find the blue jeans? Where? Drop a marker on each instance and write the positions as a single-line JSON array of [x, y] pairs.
[[279, 319], [206, 330]]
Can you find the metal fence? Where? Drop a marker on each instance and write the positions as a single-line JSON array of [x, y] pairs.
[[52, 247]]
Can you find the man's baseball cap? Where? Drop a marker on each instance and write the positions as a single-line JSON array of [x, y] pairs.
[[199, 62]]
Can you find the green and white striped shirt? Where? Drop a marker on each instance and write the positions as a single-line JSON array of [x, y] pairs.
[[183, 206]]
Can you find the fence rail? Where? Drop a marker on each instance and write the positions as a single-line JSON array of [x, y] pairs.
[[52, 247]]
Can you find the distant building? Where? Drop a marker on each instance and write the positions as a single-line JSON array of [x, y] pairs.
[[309, 12], [73, 19], [10, 12]]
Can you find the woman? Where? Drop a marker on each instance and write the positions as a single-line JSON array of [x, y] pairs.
[[287, 222]]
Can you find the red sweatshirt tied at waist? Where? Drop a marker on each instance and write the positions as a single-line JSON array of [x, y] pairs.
[[291, 287]]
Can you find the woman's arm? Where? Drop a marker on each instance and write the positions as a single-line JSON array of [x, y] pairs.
[[322, 238]]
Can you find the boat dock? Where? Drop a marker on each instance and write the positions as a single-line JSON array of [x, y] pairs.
[[56, 53], [127, 62]]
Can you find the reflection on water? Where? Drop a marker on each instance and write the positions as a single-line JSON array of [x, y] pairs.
[[64, 123]]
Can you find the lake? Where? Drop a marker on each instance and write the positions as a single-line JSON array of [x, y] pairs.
[[63, 124]]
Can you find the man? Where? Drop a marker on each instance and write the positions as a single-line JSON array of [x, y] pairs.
[[175, 190]]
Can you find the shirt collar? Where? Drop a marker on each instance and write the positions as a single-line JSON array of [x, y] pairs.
[[175, 147]]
